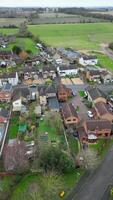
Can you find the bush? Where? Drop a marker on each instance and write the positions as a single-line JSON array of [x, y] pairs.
[[16, 49], [111, 45]]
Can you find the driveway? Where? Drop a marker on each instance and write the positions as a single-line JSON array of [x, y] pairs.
[[95, 185], [77, 102]]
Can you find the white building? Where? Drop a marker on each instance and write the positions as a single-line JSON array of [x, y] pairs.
[[11, 78], [67, 71], [88, 60]]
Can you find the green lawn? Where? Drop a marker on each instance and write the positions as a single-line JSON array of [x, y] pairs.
[[81, 93], [25, 44], [102, 146], [13, 127], [105, 61], [52, 132], [68, 181], [79, 36], [73, 144]]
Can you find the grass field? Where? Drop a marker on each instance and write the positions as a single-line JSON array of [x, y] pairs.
[[87, 36], [25, 44], [78, 36], [105, 61]]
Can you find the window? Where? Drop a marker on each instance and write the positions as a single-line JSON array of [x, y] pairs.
[[68, 120]]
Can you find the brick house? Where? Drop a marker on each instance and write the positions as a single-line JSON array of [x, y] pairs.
[[63, 93], [93, 129], [103, 111], [95, 96], [3, 115], [69, 115]]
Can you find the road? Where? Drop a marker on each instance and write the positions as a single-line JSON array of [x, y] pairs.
[[95, 185], [107, 51]]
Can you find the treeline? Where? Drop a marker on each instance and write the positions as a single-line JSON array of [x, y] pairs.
[[86, 13]]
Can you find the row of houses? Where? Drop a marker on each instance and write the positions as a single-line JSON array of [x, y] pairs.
[[101, 124]]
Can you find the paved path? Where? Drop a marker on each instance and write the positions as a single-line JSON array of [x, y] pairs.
[[5, 134], [95, 185]]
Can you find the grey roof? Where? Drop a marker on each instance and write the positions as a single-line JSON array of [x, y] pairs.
[[50, 89], [4, 113], [53, 103], [42, 90], [30, 69], [69, 53], [94, 93], [69, 67], [7, 88], [20, 92], [89, 57], [10, 75]]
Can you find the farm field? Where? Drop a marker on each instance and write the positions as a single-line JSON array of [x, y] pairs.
[[86, 36], [79, 36], [11, 21]]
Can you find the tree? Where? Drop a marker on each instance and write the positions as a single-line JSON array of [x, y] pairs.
[[53, 159], [111, 45], [54, 120], [14, 157], [16, 49]]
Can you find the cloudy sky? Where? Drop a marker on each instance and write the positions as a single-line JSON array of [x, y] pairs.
[[56, 3]]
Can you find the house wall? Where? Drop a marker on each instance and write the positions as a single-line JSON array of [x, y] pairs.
[[88, 62], [71, 121], [64, 72], [17, 105], [43, 100]]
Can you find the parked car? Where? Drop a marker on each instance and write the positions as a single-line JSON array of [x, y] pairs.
[[90, 114]]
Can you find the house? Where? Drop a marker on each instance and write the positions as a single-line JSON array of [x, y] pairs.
[[95, 96], [69, 115], [6, 55], [63, 93], [103, 111], [93, 75], [106, 77], [11, 78], [88, 60], [48, 72], [38, 111], [67, 70], [4, 114], [42, 95], [94, 129], [50, 91], [53, 104], [69, 53], [6, 93], [33, 92], [99, 128], [21, 96], [5, 97]]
